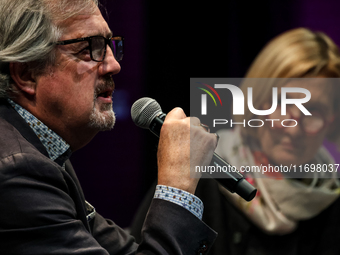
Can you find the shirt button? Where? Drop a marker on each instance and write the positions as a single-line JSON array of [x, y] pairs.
[[203, 248], [237, 237]]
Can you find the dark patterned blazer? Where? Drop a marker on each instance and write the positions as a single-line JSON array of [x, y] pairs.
[[43, 209]]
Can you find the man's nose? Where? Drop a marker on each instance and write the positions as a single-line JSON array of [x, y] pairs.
[[109, 65]]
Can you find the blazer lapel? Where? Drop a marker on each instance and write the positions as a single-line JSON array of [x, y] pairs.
[[11, 116]]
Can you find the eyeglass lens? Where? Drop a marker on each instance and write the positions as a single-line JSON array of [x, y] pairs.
[[98, 48], [313, 124], [310, 124], [117, 49]]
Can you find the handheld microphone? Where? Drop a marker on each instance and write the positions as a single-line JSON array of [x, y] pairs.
[[147, 113]]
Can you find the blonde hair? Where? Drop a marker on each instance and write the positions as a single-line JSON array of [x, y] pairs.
[[297, 53]]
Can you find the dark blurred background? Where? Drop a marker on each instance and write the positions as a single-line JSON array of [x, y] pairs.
[[166, 43]]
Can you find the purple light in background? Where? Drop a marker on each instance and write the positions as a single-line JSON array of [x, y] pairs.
[[320, 15]]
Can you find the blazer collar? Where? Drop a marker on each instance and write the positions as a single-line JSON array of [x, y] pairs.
[[11, 116]]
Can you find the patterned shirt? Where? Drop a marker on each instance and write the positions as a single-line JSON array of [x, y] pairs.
[[180, 197], [56, 148], [54, 144]]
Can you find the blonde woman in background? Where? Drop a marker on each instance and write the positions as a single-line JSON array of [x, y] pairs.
[[288, 216]]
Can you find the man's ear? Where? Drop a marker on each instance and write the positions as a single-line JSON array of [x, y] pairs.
[[23, 78]]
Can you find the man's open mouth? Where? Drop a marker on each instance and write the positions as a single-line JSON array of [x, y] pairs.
[[106, 93]]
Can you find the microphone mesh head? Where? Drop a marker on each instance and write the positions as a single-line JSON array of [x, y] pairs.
[[144, 110]]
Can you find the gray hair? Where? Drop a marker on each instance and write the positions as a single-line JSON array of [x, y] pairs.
[[28, 29]]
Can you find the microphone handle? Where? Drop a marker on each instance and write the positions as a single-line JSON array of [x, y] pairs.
[[231, 178], [157, 123]]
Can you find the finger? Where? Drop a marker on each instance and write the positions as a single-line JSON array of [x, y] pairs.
[[217, 138], [205, 127], [214, 139], [176, 113], [194, 121]]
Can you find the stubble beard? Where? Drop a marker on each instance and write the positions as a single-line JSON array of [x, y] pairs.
[[102, 119]]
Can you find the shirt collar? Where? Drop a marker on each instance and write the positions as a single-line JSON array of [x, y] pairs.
[[54, 144]]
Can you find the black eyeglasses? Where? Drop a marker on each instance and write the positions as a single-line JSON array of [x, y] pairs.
[[97, 46]]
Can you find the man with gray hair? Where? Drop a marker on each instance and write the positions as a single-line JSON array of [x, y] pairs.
[[57, 59]]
